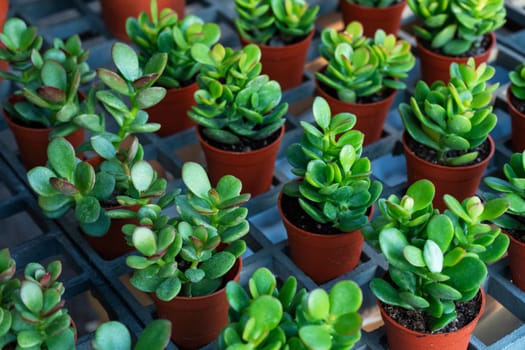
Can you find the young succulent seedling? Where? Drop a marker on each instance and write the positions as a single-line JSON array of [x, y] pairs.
[[360, 66], [453, 117], [273, 318], [442, 263], [188, 254], [234, 102], [262, 21], [113, 335], [517, 79], [454, 27], [166, 32], [334, 185]]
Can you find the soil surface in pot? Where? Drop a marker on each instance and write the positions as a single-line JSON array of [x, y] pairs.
[[430, 155], [420, 321], [293, 212], [377, 97], [473, 51], [517, 103], [247, 145]]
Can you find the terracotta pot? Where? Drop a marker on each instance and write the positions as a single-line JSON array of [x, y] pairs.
[[516, 254], [197, 321], [517, 124], [116, 12], [113, 244], [285, 64], [322, 257], [373, 18], [370, 116], [436, 67], [459, 181], [401, 338], [32, 142], [254, 169], [172, 111]]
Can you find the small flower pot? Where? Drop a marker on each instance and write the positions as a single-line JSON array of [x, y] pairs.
[[516, 254], [373, 18], [517, 124], [437, 67]]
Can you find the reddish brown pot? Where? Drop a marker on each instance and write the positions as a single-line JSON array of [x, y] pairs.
[[373, 18], [436, 67], [197, 321], [113, 244], [458, 181], [116, 12], [313, 252], [370, 116], [32, 143], [516, 254], [517, 125], [285, 64], [401, 338], [254, 169], [172, 111]]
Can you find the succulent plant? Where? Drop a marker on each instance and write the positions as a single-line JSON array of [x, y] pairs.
[[49, 80], [334, 180], [190, 253], [262, 21], [235, 103], [374, 3], [113, 335], [512, 189], [167, 33], [517, 79], [444, 260], [360, 66], [453, 117], [272, 318], [32, 313], [67, 183], [456, 26]]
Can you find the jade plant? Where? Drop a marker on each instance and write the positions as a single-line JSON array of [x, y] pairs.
[[32, 312], [517, 81], [334, 183], [188, 254], [454, 119], [270, 22], [113, 335], [235, 104], [512, 189], [359, 67], [166, 32], [286, 318], [49, 81], [457, 27], [435, 259]]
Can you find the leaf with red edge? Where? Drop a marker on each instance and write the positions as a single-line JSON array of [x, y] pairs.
[[51, 94], [63, 186]]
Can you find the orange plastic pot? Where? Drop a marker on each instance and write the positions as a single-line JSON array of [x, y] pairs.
[[516, 254], [373, 18], [197, 321], [401, 338], [322, 257], [517, 124], [116, 12], [285, 64], [32, 142], [254, 168], [437, 67], [370, 116], [458, 181], [172, 111]]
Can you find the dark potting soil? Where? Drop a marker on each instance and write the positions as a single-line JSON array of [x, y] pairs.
[[430, 155], [296, 215], [377, 97], [246, 145], [420, 321], [473, 51], [517, 103]]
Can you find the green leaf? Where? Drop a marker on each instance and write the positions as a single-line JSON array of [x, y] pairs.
[[39, 181], [112, 335], [144, 240], [126, 61], [262, 282], [168, 289], [87, 210], [53, 74], [267, 311], [195, 178], [218, 265], [155, 336], [32, 296], [345, 297], [316, 337], [466, 275], [150, 97], [61, 156], [29, 339], [321, 111], [433, 256], [237, 296], [318, 304], [113, 81], [103, 147], [414, 255], [142, 175]]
